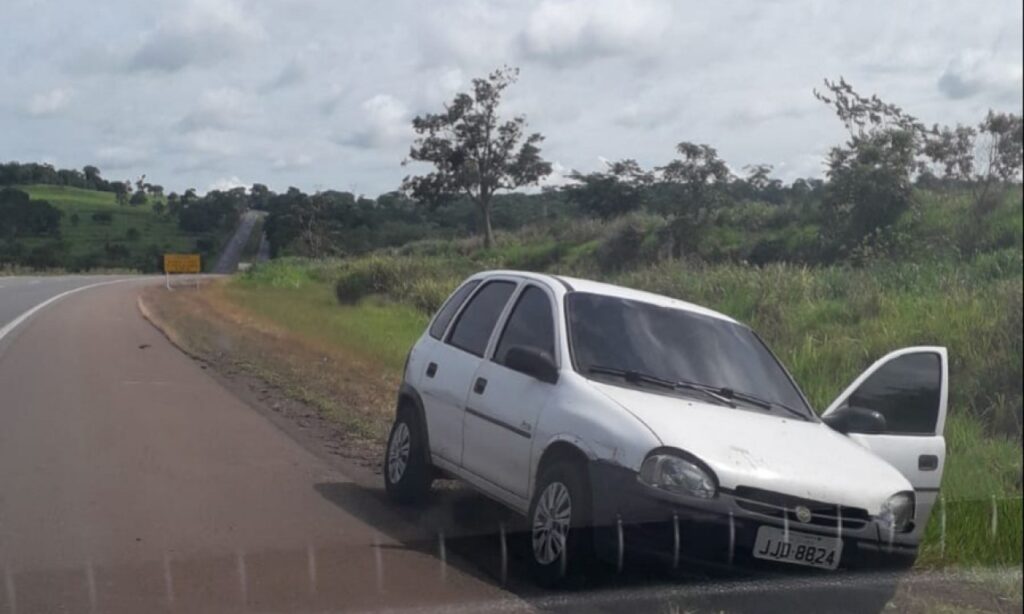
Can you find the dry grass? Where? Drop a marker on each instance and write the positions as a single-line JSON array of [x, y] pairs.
[[353, 392]]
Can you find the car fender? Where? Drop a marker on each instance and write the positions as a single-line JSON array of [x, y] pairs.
[[601, 429]]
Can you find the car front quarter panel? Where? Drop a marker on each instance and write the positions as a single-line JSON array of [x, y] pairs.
[[599, 427]]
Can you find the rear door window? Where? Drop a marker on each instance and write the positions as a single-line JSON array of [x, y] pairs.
[[450, 307], [473, 329]]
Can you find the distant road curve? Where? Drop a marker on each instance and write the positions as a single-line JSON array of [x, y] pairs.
[[22, 297], [227, 263]]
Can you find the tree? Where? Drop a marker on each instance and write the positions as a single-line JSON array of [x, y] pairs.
[[138, 198], [21, 216], [981, 157], [697, 178], [621, 188], [474, 153], [870, 175], [121, 189]]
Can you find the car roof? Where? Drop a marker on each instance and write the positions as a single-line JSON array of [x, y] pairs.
[[596, 287]]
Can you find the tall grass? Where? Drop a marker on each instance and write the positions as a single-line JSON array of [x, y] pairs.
[[962, 289]]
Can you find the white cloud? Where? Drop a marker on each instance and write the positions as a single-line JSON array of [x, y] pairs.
[[293, 73], [50, 102], [191, 91], [202, 33], [385, 122], [289, 162], [973, 71], [118, 157], [226, 183], [574, 31], [220, 108]]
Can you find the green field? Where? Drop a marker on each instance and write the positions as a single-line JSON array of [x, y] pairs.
[[88, 243], [826, 324]]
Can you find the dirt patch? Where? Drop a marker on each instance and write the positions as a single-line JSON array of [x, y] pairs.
[[338, 405]]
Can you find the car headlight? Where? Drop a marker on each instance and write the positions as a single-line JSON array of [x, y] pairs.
[[678, 475], [898, 511]]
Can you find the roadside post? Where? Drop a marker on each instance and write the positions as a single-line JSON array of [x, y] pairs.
[[181, 264]]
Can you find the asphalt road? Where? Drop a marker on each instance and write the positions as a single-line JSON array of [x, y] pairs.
[[132, 480]]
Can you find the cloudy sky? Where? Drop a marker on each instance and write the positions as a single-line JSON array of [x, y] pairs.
[[319, 93]]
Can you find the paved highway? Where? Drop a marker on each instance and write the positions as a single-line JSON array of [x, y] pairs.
[[130, 480]]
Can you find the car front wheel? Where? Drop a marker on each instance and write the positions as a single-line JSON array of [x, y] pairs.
[[407, 474], [559, 519]]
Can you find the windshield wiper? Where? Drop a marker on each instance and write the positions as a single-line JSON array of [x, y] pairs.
[[635, 377], [760, 401]]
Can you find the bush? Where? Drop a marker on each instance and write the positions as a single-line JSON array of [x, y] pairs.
[[102, 217]]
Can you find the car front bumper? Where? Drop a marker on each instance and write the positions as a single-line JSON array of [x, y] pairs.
[[629, 516]]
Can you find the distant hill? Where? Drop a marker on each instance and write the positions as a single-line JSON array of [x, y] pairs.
[[97, 232]]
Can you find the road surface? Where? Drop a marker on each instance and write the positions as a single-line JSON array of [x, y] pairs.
[[130, 480]]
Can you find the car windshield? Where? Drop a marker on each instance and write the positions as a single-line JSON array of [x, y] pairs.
[[609, 332]]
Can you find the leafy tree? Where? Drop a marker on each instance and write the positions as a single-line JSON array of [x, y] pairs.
[[696, 179], [121, 189], [259, 196], [159, 207], [22, 216], [473, 151], [619, 189], [870, 176], [138, 198], [980, 158]]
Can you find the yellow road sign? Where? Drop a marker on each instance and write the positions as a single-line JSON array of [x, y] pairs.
[[182, 263]]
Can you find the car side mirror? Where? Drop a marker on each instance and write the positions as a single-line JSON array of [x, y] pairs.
[[856, 420], [532, 362]]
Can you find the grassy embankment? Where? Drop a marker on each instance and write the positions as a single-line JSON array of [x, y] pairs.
[[91, 243], [826, 323]]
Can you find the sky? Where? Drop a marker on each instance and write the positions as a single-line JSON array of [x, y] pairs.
[[319, 94]]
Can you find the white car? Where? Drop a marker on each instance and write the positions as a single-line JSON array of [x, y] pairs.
[[608, 416]]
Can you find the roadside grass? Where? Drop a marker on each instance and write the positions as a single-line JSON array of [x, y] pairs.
[[827, 325], [961, 287], [90, 238]]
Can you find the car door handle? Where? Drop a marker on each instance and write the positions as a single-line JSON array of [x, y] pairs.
[[432, 369], [927, 462], [480, 385]]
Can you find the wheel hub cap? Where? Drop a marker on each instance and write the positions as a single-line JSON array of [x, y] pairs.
[[398, 453], [551, 519]]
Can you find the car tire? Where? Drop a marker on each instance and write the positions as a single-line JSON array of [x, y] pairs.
[[407, 472], [560, 543]]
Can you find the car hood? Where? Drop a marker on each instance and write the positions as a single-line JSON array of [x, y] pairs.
[[771, 451]]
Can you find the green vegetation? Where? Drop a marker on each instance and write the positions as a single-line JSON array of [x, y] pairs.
[[957, 282], [96, 232]]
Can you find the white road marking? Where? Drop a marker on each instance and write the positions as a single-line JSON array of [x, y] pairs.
[[10, 326]]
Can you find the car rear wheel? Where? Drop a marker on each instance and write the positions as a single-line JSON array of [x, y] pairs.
[[407, 473], [559, 525]]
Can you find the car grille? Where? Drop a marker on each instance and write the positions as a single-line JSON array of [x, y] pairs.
[[778, 505]]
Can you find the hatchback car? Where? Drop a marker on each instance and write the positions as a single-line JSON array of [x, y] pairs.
[[609, 416]]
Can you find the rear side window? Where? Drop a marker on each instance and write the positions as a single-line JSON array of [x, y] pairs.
[[473, 328], [530, 325], [451, 306]]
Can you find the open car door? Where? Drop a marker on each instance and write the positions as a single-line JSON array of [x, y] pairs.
[[910, 388]]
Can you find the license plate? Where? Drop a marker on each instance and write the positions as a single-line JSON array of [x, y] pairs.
[[773, 544]]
